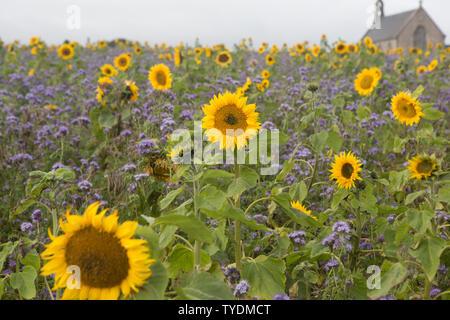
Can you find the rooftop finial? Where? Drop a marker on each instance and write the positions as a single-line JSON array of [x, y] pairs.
[[420, 3], [380, 8]]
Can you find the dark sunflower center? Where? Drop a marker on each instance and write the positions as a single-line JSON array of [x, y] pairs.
[[347, 170], [102, 260], [127, 94], [424, 166], [223, 58], [407, 109], [123, 62], [66, 52], [340, 47], [366, 82], [161, 78], [108, 71], [231, 119]]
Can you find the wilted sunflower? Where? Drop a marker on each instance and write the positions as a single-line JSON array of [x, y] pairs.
[[160, 77], [340, 48], [230, 120], [122, 62], [366, 81], [160, 168], [108, 70], [297, 205], [433, 64], [406, 109], [110, 261], [224, 58], [421, 70], [345, 170], [65, 51], [421, 166], [270, 60], [131, 91]]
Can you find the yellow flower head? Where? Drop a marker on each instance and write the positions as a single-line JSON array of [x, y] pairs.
[[131, 91], [341, 48], [110, 261], [421, 70], [108, 70], [297, 205], [366, 81], [406, 109], [224, 58], [122, 62], [377, 72], [270, 60], [265, 74], [421, 167], [433, 64], [160, 77], [66, 51], [352, 48], [345, 170], [34, 40], [230, 121]]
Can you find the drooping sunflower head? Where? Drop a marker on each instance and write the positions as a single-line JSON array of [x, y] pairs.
[[297, 205], [66, 51], [178, 58], [366, 81], [230, 121], [406, 109], [224, 58], [122, 62], [421, 167], [110, 261], [160, 77], [341, 48], [130, 93], [345, 169], [108, 70]]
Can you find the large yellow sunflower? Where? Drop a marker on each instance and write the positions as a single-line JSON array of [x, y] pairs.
[[34, 40], [297, 205], [300, 48], [366, 81], [341, 48], [433, 64], [66, 51], [270, 60], [160, 77], [224, 58], [109, 260], [122, 62], [108, 70], [230, 120], [406, 109], [315, 50], [421, 166], [345, 170]]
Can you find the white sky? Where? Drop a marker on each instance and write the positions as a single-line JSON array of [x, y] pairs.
[[213, 21]]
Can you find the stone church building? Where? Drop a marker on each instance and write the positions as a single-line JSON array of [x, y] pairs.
[[408, 29]]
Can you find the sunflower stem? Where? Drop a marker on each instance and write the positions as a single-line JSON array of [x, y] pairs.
[[237, 224], [197, 244]]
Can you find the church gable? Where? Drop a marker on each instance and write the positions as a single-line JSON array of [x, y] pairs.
[[419, 31]]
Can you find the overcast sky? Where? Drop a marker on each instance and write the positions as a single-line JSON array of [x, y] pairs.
[[213, 21]]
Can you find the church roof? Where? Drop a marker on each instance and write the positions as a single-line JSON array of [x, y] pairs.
[[390, 26]]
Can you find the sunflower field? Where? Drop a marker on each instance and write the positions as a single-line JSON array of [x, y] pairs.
[[96, 204]]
